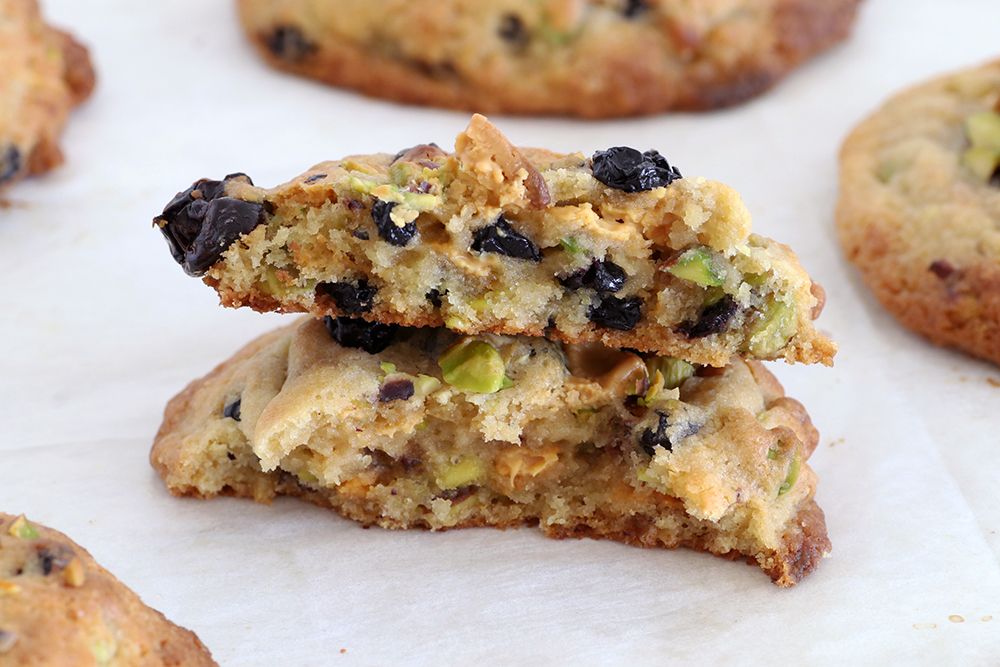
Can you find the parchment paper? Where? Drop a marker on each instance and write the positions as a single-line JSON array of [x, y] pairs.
[[100, 328]]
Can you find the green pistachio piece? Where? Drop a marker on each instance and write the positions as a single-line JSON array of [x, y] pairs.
[[387, 367], [773, 330], [23, 529], [983, 130], [463, 473], [571, 245], [700, 266], [674, 371], [793, 475], [425, 385], [473, 365], [981, 161]]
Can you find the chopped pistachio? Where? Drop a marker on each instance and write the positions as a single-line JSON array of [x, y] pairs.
[[464, 472], [656, 385], [772, 330], [772, 454], [387, 367], [983, 130], [674, 371], [792, 476], [571, 245], [74, 575], [473, 365], [424, 385], [700, 266], [23, 529], [981, 161]]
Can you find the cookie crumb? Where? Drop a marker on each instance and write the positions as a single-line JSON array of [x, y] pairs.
[[343, 651], [993, 382], [955, 618]]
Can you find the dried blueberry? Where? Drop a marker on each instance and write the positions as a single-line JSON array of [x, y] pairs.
[[666, 433], [434, 296], [314, 178], [389, 230], [349, 298], [714, 319], [8, 638], [53, 558], [502, 239], [603, 276], [200, 223], [650, 438], [360, 234], [395, 390], [288, 42], [634, 8], [513, 31], [629, 170], [233, 409], [615, 313], [941, 268], [994, 179], [10, 163], [371, 337]]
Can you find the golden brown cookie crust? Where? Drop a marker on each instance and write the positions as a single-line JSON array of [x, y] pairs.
[[59, 607], [199, 453], [44, 73], [923, 231], [713, 54]]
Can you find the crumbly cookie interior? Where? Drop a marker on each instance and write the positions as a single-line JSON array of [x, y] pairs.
[[578, 439]]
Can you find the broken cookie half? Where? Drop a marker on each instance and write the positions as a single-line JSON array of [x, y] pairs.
[[427, 428], [617, 248]]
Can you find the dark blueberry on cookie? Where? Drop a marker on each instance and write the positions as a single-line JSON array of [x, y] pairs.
[[10, 163], [513, 31], [233, 409], [628, 170], [651, 438], [615, 313], [349, 298], [502, 239], [666, 433], [8, 638], [434, 296], [941, 268], [200, 223], [396, 390], [714, 319], [314, 178], [634, 8], [603, 276], [288, 43], [54, 558], [389, 231], [371, 337]]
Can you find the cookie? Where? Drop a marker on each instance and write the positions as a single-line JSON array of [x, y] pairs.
[[589, 58], [919, 210], [59, 607], [425, 428], [44, 73], [616, 248]]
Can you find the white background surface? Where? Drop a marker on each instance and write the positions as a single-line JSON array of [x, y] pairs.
[[100, 328]]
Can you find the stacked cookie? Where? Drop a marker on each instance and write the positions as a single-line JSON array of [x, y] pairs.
[[502, 336]]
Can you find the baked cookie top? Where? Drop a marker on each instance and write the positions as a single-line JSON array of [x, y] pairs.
[[617, 248], [425, 418], [59, 607], [919, 210], [44, 73], [590, 58]]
